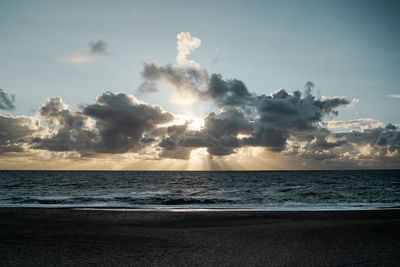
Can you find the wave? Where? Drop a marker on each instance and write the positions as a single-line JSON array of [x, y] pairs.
[[183, 203], [116, 201], [279, 190]]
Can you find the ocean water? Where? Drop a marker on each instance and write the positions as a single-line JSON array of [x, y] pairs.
[[264, 190]]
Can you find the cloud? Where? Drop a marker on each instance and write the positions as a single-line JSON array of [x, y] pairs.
[[16, 132], [266, 121], [294, 125], [394, 96], [186, 80], [120, 124], [69, 130], [228, 92], [308, 88], [188, 77], [122, 120], [185, 45], [6, 101], [377, 147], [360, 124], [270, 121], [288, 124], [219, 134], [97, 49]]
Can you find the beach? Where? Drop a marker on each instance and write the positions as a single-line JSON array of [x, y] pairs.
[[84, 237]]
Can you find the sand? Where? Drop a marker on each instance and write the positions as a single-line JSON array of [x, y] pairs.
[[69, 237]]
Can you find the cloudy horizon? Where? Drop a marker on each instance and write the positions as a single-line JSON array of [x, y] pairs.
[[184, 115]]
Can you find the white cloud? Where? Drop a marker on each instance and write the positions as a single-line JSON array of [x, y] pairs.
[[362, 124], [78, 58], [185, 45], [394, 96]]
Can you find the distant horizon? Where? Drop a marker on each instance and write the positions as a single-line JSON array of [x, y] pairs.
[[155, 170]]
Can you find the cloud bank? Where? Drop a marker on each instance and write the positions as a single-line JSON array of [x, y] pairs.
[[291, 125]]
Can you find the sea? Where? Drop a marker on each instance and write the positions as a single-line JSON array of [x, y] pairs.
[[209, 190]]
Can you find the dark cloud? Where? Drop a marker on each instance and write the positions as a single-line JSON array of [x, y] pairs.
[[274, 139], [58, 113], [223, 145], [98, 47], [290, 123], [376, 147], [391, 127], [266, 121], [185, 79], [230, 121], [287, 123], [15, 132], [298, 111], [6, 101], [120, 125], [228, 92], [70, 129], [389, 138], [219, 135], [294, 112], [122, 120]]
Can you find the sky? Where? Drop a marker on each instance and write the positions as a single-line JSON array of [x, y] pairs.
[[199, 85]]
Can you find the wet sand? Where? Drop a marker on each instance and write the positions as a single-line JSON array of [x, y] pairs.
[[69, 237]]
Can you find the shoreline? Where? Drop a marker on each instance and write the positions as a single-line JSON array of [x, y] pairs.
[[75, 237], [190, 208]]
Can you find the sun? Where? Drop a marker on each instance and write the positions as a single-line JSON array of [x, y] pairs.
[[183, 98], [194, 123]]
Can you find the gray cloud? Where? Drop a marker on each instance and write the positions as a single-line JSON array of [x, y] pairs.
[[230, 121], [266, 121], [390, 126], [219, 134], [292, 111], [308, 88], [172, 136], [376, 147], [122, 120], [6, 101], [15, 132], [287, 123], [228, 92], [98, 47], [71, 130], [184, 79], [120, 125]]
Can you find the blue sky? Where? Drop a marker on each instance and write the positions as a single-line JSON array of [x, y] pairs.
[[346, 48]]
